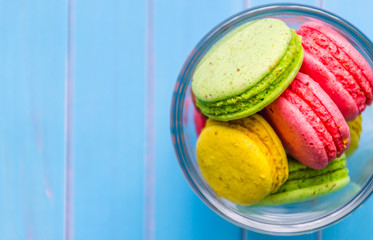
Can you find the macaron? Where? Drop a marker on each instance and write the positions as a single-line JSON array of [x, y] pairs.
[[309, 124], [305, 183], [242, 160], [247, 69], [199, 121], [338, 67], [198, 117], [195, 105], [355, 131]]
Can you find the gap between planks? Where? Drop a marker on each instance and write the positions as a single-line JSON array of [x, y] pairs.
[[68, 206], [149, 183]]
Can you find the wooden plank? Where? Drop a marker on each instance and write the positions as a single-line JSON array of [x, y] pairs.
[[356, 226], [32, 72], [108, 119], [179, 25]]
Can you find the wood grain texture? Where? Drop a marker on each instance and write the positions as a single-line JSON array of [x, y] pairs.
[[179, 25], [32, 73], [108, 120]]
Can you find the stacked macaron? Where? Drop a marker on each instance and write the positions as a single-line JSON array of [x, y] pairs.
[[324, 133], [247, 69], [259, 69], [338, 67], [306, 183]]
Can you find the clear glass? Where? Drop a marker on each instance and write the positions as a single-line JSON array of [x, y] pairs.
[[291, 219]]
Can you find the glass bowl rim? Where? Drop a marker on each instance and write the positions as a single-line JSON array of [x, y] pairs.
[[176, 123]]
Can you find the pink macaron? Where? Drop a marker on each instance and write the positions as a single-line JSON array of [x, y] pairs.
[[338, 67], [199, 121], [308, 122], [198, 117]]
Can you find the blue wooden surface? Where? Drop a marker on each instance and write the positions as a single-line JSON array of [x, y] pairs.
[[108, 119], [32, 66], [124, 58]]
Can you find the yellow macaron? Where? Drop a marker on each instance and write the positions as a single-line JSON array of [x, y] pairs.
[[355, 131], [242, 160]]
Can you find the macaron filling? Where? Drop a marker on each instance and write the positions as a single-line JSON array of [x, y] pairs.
[[260, 95]]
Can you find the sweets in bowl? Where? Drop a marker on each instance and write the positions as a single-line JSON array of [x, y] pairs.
[[298, 217], [236, 159]]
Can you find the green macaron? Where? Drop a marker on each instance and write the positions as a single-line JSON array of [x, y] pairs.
[[305, 183], [247, 69]]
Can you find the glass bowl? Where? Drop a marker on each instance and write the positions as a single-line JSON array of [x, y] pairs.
[[290, 219]]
